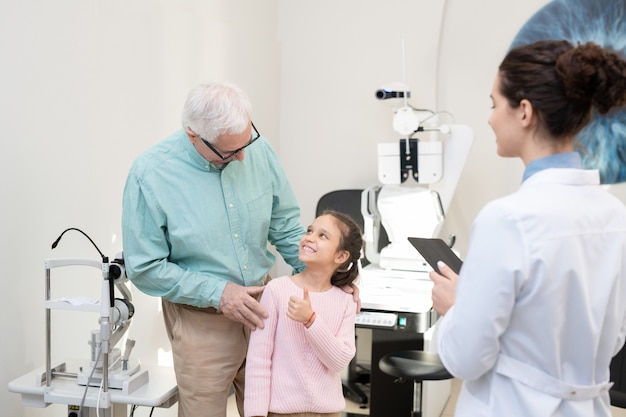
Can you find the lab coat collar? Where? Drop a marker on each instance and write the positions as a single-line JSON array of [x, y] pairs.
[[566, 176], [558, 160]]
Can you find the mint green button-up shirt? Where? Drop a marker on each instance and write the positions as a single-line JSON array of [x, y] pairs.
[[189, 227]]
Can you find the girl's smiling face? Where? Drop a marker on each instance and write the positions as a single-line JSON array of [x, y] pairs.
[[321, 242]]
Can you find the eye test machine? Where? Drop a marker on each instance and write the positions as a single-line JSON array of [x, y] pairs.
[[110, 380], [418, 176]]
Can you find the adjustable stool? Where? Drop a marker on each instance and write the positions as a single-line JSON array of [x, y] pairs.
[[415, 365]]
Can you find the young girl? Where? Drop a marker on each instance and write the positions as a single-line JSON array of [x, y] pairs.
[[294, 363]]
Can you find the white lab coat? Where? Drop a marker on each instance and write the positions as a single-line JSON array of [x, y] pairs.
[[540, 306]]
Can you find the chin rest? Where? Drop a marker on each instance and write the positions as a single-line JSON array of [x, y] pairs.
[[414, 365]]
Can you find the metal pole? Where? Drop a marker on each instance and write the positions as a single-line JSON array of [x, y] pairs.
[[48, 333]]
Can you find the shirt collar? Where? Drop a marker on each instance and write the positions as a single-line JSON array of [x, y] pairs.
[[559, 160], [198, 159]]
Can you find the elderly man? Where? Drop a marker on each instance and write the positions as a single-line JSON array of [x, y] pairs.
[[199, 210]]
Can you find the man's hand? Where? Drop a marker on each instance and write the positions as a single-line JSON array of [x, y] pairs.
[[239, 304], [354, 290], [444, 290]]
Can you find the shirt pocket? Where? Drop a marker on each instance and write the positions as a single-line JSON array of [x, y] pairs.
[[259, 219]]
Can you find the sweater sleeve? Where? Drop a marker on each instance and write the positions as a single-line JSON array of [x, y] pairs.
[[259, 360]]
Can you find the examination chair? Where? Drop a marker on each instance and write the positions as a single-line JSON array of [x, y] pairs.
[[415, 366]]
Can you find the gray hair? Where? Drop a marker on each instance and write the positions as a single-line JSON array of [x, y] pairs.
[[216, 108]]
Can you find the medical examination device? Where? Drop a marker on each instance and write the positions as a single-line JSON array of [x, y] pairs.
[[110, 379], [418, 176]]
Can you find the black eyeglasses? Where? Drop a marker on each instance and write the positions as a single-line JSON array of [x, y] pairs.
[[253, 137]]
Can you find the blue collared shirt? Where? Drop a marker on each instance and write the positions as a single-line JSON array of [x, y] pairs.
[[190, 227], [559, 160]]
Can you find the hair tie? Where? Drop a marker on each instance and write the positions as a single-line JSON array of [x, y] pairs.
[[348, 268]]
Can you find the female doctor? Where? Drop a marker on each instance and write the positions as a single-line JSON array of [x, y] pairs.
[[540, 305]]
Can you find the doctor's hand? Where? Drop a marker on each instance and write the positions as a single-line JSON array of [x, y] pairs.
[[238, 303], [444, 290]]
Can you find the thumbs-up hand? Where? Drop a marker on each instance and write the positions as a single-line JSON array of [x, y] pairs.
[[300, 309]]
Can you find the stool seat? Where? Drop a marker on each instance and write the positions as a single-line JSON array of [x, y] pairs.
[[414, 364]]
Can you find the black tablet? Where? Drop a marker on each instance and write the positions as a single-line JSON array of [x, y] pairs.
[[434, 250]]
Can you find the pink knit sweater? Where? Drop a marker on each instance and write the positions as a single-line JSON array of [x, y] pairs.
[[292, 369]]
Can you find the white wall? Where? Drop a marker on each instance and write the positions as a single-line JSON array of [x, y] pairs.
[[476, 36], [335, 56], [86, 86]]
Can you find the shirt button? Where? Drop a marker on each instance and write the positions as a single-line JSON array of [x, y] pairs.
[[245, 267], [236, 236], [573, 393], [231, 205]]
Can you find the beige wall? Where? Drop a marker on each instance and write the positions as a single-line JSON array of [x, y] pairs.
[[86, 86]]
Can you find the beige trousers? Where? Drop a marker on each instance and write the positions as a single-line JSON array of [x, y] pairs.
[[209, 353]]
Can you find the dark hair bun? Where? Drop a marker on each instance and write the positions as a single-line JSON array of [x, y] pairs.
[[593, 76]]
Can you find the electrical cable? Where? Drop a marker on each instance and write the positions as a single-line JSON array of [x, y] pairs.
[[416, 109], [99, 396], [437, 113], [82, 401], [56, 242]]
